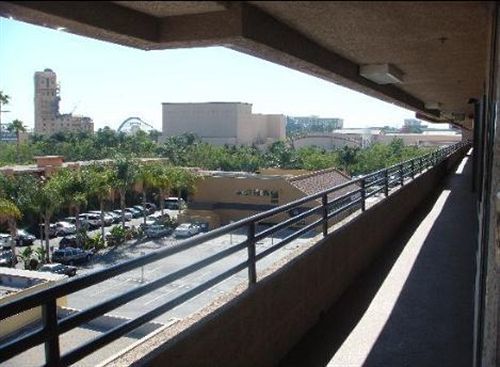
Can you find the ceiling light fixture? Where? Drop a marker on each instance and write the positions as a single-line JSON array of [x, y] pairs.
[[381, 73], [433, 106]]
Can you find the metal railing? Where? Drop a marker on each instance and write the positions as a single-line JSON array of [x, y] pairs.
[[323, 209]]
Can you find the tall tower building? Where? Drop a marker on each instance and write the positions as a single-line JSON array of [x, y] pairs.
[[46, 99], [48, 119]]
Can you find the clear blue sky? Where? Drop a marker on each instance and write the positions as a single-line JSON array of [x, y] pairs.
[[109, 83]]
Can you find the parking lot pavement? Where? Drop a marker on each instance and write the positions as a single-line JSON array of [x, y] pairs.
[[137, 277], [152, 271]]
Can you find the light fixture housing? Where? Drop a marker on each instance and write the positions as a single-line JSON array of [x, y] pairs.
[[382, 73], [433, 106]]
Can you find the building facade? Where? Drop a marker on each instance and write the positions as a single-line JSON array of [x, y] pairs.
[[48, 119], [222, 123], [222, 197]]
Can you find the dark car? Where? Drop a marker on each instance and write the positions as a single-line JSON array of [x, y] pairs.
[[70, 255], [68, 241], [59, 269], [7, 259], [150, 207], [24, 238]]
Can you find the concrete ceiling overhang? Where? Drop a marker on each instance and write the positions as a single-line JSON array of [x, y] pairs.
[[441, 47]]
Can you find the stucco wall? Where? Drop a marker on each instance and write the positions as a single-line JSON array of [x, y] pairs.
[[204, 119], [263, 323]]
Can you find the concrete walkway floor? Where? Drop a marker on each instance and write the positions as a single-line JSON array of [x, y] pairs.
[[414, 306]]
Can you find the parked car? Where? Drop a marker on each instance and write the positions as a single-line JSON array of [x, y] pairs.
[[93, 220], [68, 241], [64, 228], [24, 238], [116, 218], [4, 241], [128, 215], [141, 209], [82, 222], [186, 230], [203, 226], [70, 255], [108, 219], [155, 219], [135, 213], [173, 203], [157, 231], [7, 259], [59, 269], [150, 207]]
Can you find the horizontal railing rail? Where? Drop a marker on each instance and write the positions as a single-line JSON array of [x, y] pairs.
[[319, 209]]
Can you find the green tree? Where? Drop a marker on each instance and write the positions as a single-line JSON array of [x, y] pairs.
[[162, 180], [125, 174], [25, 256], [4, 99], [47, 199], [100, 181], [10, 213], [183, 180], [145, 177], [16, 127], [74, 190]]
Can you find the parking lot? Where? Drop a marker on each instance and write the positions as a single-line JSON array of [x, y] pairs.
[[135, 278]]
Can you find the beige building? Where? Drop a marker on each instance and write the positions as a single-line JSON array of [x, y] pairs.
[[222, 123], [222, 197], [48, 120]]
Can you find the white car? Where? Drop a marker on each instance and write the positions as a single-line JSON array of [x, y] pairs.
[[108, 219], [64, 228], [186, 230], [128, 216]]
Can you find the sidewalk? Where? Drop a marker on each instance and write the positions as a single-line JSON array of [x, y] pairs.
[[414, 307]]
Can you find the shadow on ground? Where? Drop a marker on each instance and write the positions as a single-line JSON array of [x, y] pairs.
[[431, 323]]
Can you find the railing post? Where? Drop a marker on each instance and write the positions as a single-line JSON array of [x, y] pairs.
[[363, 194], [252, 272], [49, 319], [412, 168], [324, 200], [401, 174], [420, 164], [386, 183]]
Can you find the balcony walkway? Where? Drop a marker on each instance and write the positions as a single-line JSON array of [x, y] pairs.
[[413, 307]]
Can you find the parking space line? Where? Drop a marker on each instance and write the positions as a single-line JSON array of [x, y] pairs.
[[160, 296]]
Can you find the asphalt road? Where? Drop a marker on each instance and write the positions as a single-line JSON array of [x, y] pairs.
[[137, 277]]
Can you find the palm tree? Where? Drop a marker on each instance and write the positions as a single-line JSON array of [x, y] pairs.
[[125, 171], [99, 185], [4, 99], [145, 176], [9, 213], [47, 199], [162, 180], [183, 180], [74, 191], [17, 127], [25, 256]]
